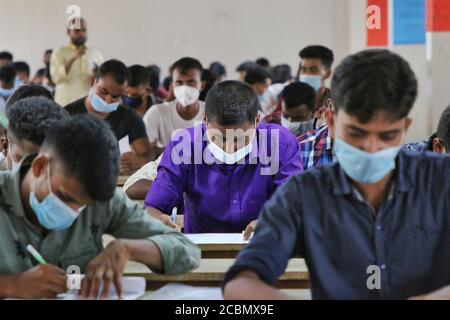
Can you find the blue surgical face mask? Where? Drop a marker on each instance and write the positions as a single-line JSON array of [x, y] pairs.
[[365, 167], [52, 213], [313, 81], [264, 97], [299, 127], [101, 105], [6, 93]]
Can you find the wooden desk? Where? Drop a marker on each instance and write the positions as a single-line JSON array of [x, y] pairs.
[[301, 294], [212, 271]]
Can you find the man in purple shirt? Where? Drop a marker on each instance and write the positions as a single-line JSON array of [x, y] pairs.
[[224, 168]]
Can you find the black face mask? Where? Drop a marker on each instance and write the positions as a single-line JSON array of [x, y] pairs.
[[132, 102]]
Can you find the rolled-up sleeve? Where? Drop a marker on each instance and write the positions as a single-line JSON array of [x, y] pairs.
[[167, 190], [276, 236], [130, 221]]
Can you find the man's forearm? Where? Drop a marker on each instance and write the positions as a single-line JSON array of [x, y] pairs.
[[248, 286], [146, 252], [155, 213]]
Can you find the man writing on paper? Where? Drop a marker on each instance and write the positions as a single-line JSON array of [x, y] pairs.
[[226, 172], [55, 203], [374, 225], [105, 102]]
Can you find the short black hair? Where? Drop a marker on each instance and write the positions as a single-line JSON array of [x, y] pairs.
[[88, 149], [282, 73], [217, 69], [246, 66], [27, 91], [31, 118], [5, 55], [320, 52], [155, 72], [374, 80], [8, 74], [256, 75], [48, 51], [443, 130], [298, 93], [22, 66], [139, 76], [231, 102], [185, 64], [209, 79], [116, 69], [263, 62]]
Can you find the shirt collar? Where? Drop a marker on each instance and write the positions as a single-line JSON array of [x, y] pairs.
[[14, 200], [402, 180]]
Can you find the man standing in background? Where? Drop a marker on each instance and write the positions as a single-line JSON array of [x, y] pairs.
[[71, 66]]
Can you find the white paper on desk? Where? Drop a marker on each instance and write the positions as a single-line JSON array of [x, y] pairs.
[[176, 291], [124, 145], [133, 288], [217, 238]]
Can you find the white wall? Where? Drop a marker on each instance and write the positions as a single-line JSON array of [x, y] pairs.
[[231, 31], [161, 31]]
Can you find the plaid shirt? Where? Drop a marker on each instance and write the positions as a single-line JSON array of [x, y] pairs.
[[316, 148]]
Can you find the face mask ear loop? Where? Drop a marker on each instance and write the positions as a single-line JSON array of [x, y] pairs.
[[48, 177]]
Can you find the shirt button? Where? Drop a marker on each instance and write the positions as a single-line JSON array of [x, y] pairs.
[[383, 266], [234, 201], [378, 227]]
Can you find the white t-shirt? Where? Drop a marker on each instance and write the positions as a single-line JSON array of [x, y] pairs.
[[161, 120]]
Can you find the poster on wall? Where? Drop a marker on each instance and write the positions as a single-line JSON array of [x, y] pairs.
[[409, 22], [377, 23]]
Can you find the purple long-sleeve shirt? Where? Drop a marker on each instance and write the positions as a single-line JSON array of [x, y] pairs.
[[219, 197]]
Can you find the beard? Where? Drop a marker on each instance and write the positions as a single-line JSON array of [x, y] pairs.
[[79, 41]]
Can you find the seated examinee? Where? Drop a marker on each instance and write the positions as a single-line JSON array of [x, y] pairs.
[[56, 203], [104, 102], [137, 185], [22, 72], [315, 68], [374, 225], [259, 79], [298, 104], [27, 127], [161, 120], [139, 95], [222, 169], [5, 58], [316, 146], [244, 67], [440, 141], [7, 84]]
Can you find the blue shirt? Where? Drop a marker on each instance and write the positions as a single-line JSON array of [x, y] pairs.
[[319, 215], [219, 197]]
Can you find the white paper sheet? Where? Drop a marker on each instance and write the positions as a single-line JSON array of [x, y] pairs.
[[217, 238], [133, 288], [124, 145], [176, 291]]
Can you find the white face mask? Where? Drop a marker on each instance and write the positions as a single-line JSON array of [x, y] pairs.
[[186, 95], [230, 158]]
